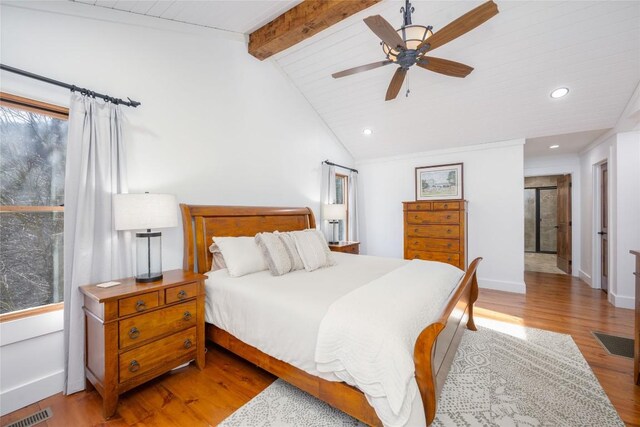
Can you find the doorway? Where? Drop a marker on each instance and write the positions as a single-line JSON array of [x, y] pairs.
[[548, 224], [603, 233]]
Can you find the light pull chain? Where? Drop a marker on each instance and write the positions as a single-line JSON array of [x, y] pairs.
[[408, 89]]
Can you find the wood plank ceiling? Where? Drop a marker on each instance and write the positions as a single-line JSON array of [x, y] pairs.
[[519, 56]]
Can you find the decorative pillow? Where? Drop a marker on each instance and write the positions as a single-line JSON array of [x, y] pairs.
[[218, 260], [241, 255], [313, 249], [290, 246], [274, 253]]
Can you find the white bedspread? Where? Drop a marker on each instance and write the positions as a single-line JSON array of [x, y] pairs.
[[367, 337]]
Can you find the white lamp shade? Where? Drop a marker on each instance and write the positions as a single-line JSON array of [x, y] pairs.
[[334, 212], [144, 211]]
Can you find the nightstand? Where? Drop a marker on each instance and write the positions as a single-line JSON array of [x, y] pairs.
[[346, 247], [138, 331]]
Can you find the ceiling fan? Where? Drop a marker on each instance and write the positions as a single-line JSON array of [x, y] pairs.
[[409, 45]]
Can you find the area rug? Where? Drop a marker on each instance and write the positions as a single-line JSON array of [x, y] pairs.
[[533, 378]]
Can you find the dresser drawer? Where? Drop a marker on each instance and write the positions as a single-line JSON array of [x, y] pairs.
[[443, 206], [453, 259], [434, 231], [179, 293], [441, 217], [137, 304], [156, 354], [423, 244], [422, 206], [134, 330]]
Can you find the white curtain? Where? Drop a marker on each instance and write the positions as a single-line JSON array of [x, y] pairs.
[[327, 196], [353, 207], [93, 251]]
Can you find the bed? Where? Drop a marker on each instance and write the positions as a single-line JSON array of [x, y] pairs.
[[434, 348]]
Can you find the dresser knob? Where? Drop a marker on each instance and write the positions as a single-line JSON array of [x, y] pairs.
[[415, 257], [446, 206], [182, 294], [186, 315], [187, 343], [449, 231], [134, 333], [134, 366], [448, 216], [141, 305], [448, 245], [449, 259], [415, 230]]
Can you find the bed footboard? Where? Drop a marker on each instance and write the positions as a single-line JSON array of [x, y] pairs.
[[437, 344]]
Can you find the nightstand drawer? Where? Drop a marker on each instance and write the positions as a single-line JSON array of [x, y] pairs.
[[441, 217], [138, 303], [179, 293], [160, 322], [444, 245], [156, 354], [453, 259]]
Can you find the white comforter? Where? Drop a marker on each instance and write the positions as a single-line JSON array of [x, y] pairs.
[[367, 336]]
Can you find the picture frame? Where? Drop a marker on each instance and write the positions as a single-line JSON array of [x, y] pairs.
[[440, 182]]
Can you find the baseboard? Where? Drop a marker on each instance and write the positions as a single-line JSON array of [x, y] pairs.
[[32, 392], [501, 285], [585, 277], [622, 301]]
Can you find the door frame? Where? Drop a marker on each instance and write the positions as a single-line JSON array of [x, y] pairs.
[[596, 246]]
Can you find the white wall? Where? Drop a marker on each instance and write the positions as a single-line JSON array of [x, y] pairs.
[[558, 165], [216, 126], [621, 151], [493, 185]]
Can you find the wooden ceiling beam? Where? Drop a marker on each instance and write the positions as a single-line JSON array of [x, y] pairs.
[[301, 22]]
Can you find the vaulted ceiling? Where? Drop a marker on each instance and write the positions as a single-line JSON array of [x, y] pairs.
[[519, 56]]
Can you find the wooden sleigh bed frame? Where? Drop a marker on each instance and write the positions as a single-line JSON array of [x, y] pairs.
[[434, 349]]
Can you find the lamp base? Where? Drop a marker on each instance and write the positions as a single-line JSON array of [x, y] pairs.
[[146, 278]]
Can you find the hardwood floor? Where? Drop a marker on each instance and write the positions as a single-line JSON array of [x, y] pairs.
[[189, 397]]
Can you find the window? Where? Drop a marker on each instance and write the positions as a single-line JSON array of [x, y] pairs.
[[342, 197], [33, 139]]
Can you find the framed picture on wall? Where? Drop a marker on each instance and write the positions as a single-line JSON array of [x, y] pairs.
[[439, 182]]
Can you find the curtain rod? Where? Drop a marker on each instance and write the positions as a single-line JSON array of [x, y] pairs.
[[73, 88], [340, 166]]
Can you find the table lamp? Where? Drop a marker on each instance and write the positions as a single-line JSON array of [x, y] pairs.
[[144, 212], [334, 213]]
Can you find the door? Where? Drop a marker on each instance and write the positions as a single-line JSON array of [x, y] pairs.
[[564, 224], [604, 220]]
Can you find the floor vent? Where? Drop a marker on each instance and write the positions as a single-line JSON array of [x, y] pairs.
[[618, 346], [33, 419]]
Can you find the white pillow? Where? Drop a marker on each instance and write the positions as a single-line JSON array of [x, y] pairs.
[[274, 252], [218, 260], [241, 254], [313, 249], [290, 245]]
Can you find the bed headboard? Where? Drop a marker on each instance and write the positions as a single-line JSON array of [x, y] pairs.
[[201, 223]]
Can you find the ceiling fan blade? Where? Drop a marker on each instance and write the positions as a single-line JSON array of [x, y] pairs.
[[444, 66], [462, 25], [360, 69], [385, 31], [396, 84]]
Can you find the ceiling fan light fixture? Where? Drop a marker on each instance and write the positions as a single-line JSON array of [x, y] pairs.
[[413, 35]]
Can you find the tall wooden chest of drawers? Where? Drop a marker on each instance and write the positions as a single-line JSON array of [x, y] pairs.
[[436, 230], [137, 331]]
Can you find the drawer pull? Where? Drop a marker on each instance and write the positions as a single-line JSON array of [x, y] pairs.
[[134, 366], [449, 259], [446, 206], [416, 256], [448, 216], [187, 315], [141, 305], [187, 343], [448, 231], [415, 230], [134, 333], [182, 294], [448, 245]]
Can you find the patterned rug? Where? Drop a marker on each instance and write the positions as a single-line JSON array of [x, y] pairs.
[[533, 378]]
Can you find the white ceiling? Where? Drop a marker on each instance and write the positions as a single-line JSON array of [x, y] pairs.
[[519, 56], [236, 16], [570, 143]]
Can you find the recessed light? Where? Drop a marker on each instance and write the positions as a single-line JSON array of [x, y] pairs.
[[553, 147], [559, 93], [367, 131]]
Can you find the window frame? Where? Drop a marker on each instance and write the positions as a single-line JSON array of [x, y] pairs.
[[345, 197], [58, 112]]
